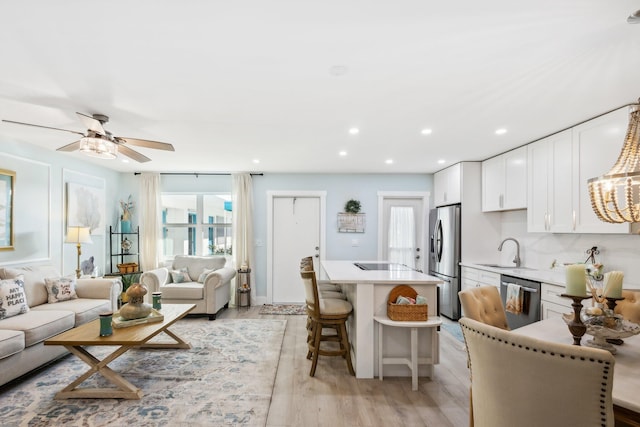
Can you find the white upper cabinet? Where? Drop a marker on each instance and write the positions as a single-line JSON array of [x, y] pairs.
[[596, 147], [559, 167], [446, 186], [504, 181], [549, 184]]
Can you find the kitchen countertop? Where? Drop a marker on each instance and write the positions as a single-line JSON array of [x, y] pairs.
[[553, 277], [347, 272]]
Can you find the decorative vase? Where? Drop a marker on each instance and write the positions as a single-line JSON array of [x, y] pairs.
[[135, 308], [125, 226]]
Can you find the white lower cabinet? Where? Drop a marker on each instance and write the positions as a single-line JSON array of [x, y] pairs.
[[551, 310], [552, 304]]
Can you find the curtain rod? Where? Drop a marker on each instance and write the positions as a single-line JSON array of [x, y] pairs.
[[197, 174]]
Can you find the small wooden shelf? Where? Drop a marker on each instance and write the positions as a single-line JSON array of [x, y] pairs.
[[351, 223]]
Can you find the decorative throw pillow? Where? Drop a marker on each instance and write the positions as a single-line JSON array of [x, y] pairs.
[[180, 276], [13, 300], [204, 275], [60, 288]]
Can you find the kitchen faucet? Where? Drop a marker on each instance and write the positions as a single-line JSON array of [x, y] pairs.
[[517, 258]]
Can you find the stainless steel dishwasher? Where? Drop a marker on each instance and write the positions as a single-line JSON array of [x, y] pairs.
[[530, 304]]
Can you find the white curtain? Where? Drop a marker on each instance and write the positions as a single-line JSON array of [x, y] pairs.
[[242, 209], [401, 235], [150, 221]]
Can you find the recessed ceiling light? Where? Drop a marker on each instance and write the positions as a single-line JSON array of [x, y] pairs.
[[125, 160], [389, 161], [501, 131], [441, 161], [354, 131], [426, 131], [338, 70], [342, 153], [256, 161]]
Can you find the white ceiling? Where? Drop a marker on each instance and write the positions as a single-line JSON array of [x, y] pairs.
[[227, 82]]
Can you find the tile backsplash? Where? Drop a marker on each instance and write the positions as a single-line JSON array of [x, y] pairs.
[[538, 250]]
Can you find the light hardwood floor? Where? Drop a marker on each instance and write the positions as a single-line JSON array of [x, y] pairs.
[[334, 398]]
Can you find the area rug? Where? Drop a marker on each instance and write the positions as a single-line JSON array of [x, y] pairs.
[[225, 379], [454, 330], [291, 309]]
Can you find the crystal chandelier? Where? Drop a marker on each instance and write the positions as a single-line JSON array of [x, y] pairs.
[[98, 147], [615, 196]]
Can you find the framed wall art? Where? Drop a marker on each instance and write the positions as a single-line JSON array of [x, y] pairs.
[[7, 186], [86, 207]]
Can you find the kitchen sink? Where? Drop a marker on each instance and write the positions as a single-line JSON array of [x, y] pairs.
[[509, 267]]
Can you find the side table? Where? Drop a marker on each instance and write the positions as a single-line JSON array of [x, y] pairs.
[[243, 288], [413, 360]]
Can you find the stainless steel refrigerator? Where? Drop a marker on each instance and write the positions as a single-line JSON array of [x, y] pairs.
[[444, 257]]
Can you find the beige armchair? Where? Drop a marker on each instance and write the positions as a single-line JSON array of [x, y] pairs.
[[210, 292], [523, 381]]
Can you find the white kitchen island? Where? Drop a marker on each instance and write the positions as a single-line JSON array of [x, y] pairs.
[[367, 290]]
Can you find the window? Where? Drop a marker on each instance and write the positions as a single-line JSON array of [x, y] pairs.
[[196, 224]]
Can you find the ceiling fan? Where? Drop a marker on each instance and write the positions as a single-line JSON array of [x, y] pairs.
[[98, 142]]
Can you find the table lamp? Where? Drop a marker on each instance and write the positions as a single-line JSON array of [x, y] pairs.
[[78, 235]]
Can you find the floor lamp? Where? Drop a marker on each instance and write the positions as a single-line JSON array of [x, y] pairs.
[[78, 235]]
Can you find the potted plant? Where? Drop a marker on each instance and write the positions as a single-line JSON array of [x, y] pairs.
[[125, 218], [352, 206]]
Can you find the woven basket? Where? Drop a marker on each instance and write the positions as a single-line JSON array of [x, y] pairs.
[[129, 267], [405, 312]]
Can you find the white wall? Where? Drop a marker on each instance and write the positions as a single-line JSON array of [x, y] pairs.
[[538, 250]]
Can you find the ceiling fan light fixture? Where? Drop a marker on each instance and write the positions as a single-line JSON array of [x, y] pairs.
[[634, 18], [615, 196], [98, 147]]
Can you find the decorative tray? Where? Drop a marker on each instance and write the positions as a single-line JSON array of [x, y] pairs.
[[596, 328], [119, 322]]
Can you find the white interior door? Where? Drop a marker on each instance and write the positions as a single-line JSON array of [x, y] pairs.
[[402, 231], [296, 234]]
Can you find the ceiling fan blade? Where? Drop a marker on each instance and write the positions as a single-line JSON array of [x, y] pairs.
[[92, 124], [123, 149], [40, 126], [70, 147], [148, 144]]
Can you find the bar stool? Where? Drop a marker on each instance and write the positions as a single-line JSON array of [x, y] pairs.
[[306, 264], [329, 313]]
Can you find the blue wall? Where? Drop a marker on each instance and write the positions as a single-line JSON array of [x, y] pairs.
[[62, 168], [339, 188]]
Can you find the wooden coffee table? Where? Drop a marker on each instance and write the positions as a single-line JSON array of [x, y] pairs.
[[137, 336]]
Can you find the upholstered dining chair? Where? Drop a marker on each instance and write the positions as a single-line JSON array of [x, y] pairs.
[[629, 307], [326, 313], [523, 381], [483, 304]]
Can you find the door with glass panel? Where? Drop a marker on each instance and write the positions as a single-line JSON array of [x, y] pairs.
[[402, 231]]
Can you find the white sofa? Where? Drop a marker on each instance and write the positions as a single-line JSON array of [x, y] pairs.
[[210, 294], [22, 336]]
